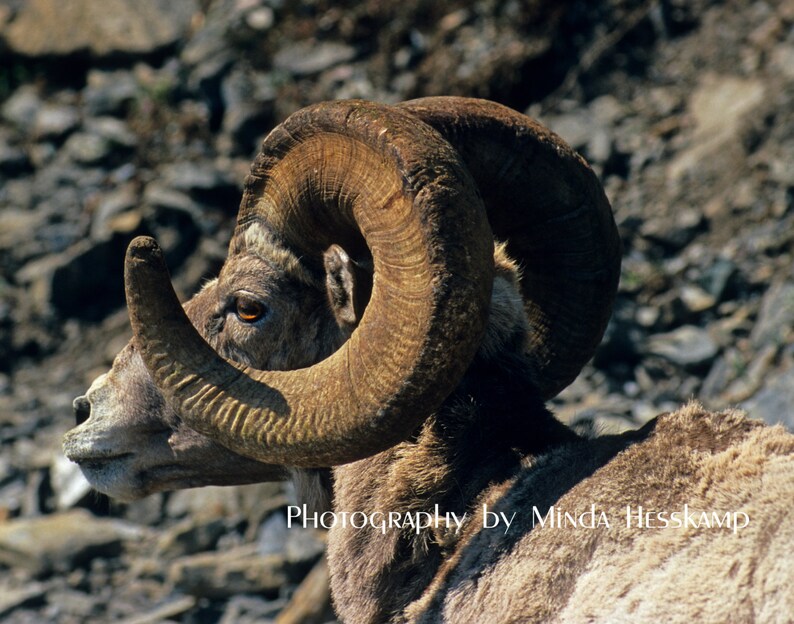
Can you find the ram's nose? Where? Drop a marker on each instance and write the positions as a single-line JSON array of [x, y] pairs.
[[82, 409]]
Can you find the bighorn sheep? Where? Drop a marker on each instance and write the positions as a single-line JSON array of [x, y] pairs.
[[364, 322]]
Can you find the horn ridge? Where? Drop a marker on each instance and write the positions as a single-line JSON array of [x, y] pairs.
[[338, 171], [546, 203]]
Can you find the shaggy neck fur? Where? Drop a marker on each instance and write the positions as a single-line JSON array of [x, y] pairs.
[[477, 440]]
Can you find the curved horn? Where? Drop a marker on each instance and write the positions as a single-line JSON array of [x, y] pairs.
[[327, 173], [547, 204]]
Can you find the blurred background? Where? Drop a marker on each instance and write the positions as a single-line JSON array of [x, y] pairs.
[[123, 117]]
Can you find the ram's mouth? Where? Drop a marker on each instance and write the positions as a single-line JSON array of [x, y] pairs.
[[97, 463]]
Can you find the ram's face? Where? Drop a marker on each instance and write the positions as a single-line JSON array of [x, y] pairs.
[[129, 442], [413, 188]]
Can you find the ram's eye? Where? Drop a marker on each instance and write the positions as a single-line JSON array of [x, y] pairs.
[[248, 310]]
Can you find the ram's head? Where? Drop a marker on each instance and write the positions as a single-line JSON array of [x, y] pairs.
[[355, 295]]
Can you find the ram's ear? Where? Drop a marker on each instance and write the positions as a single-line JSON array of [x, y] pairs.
[[348, 285]]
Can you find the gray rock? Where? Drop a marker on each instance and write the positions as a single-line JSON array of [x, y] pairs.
[[239, 570], [50, 28], [87, 149], [719, 107], [689, 347], [719, 279], [12, 495], [105, 141], [161, 197], [13, 160], [696, 299], [189, 537], [68, 482], [249, 103], [250, 501], [60, 542], [12, 598], [164, 612], [21, 108], [722, 372], [674, 233], [585, 134], [209, 56], [204, 182], [70, 603], [84, 281], [306, 58], [773, 402], [260, 19], [110, 93], [253, 610], [15, 226], [115, 131], [209, 41], [54, 122], [109, 214], [775, 324], [297, 544]]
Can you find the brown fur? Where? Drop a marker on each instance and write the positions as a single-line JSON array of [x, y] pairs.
[[491, 442]]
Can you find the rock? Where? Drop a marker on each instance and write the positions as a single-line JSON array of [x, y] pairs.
[[163, 613], [773, 402], [307, 58], [775, 322], [676, 233], [311, 602], [209, 56], [68, 603], [260, 19], [22, 107], [204, 182], [105, 141], [15, 224], [68, 482], [110, 93], [620, 342], [724, 370], [251, 501], [254, 610], [586, 133], [239, 570], [719, 279], [87, 149], [751, 377], [110, 214], [718, 107], [49, 28], [54, 122], [209, 40], [12, 598], [12, 497], [13, 160], [296, 543], [249, 103], [689, 347], [60, 542], [696, 299], [85, 281], [189, 537], [160, 197], [113, 130]]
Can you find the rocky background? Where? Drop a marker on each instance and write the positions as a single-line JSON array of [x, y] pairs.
[[121, 117]]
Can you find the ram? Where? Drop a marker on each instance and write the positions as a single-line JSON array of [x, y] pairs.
[[367, 338]]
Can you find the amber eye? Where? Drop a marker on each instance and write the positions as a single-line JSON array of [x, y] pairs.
[[249, 310]]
